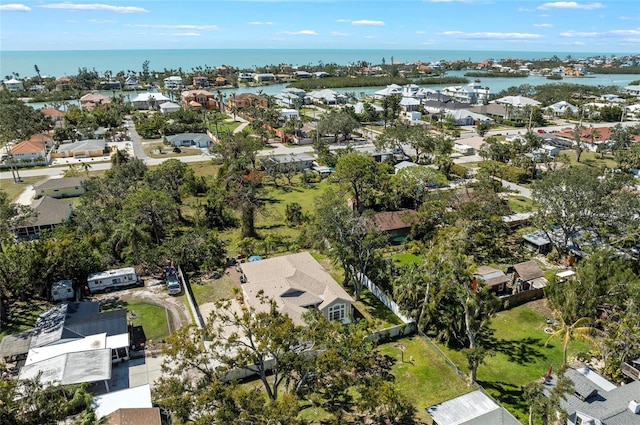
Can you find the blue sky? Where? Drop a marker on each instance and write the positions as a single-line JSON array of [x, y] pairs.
[[588, 26]]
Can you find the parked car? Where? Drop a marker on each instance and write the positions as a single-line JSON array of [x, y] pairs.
[[173, 284]]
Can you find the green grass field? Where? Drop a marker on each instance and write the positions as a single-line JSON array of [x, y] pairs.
[[213, 290], [519, 356], [427, 380], [151, 317]]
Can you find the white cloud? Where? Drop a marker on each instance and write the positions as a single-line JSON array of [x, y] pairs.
[[178, 27], [543, 25], [368, 23], [604, 34], [492, 35], [100, 21], [421, 32], [524, 9], [629, 18], [94, 6], [343, 20], [301, 32], [339, 34], [571, 5], [260, 23], [186, 34], [369, 36], [14, 7]]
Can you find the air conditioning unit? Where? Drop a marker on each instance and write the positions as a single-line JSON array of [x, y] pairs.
[[634, 406]]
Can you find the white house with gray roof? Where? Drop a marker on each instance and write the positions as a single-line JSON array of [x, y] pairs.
[[296, 283]]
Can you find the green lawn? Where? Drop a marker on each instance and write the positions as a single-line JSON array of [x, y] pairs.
[[406, 258], [591, 159], [212, 290], [427, 380], [151, 149], [14, 189], [22, 316], [151, 317], [520, 204], [519, 356]]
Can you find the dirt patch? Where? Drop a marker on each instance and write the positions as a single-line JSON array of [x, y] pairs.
[[154, 292], [541, 306]]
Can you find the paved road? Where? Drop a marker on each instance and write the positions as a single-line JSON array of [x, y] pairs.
[[516, 188]]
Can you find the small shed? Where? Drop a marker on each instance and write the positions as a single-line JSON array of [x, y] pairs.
[[495, 279], [528, 275], [537, 242]]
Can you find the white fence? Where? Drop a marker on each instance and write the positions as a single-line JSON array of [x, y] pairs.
[[385, 299]]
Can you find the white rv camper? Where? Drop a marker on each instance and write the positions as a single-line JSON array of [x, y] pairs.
[[112, 279]]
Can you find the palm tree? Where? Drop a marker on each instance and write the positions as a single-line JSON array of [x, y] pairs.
[[581, 329]]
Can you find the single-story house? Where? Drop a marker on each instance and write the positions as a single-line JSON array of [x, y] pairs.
[[60, 188], [562, 108], [396, 224], [537, 242], [146, 101], [358, 108], [168, 107], [463, 149], [326, 97], [81, 149], [198, 140], [48, 212], [517, 101], [302, 74], [597, 401], [467, 117], [299, 161], [474, 408], [495, 279], [296, 283], [135, 415], [491, 110], [287, 114], [29, 151], [528, 275], [135, 398], [74, 322]]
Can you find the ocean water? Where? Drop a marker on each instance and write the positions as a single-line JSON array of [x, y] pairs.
[[67, 62]]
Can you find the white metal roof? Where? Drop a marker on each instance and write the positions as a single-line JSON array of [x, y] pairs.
[[93, 342], [135, 397], [71, 368]]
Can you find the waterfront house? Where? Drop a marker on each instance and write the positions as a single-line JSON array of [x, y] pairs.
[[13, 85], [245, 77], [326, 97], [147, 101], [131, 83], [562, 108], [287, 114], [60, 188], [390, 90], [198, 99], [201, 82], [63, 84], [409, 104], [302, 74], [172, 83], [264, 78], [296, 283], [517, 101], [247, 99], [91, 100]]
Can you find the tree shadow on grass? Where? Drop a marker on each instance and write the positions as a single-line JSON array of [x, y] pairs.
[[508, 394], [520, 351]]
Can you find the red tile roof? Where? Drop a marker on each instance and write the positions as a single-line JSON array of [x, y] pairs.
[[51, 112], [27, 147]]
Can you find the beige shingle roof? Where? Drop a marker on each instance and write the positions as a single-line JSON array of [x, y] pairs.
[[295, 282]]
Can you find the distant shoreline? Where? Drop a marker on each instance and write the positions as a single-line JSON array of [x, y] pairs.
[[66, 62]]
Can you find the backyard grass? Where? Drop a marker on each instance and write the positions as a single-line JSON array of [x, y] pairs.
[[213, 290], [22, 316], [519, 356], [519, 203], [227, 126], [591, 159], [152, 318], [406, 258], [428, 379]]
